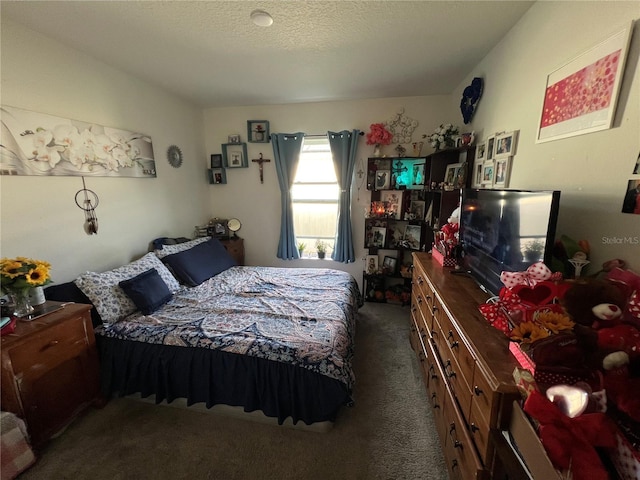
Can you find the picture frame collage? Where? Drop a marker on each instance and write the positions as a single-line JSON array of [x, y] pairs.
[[493, 160], [234, 152]]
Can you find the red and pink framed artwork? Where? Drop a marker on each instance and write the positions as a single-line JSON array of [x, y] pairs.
[[581, 96]]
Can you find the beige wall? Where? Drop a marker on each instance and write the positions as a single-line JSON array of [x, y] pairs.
[[39, 217], [591, 170]]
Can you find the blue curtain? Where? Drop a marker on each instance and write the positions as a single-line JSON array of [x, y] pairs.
[[344, 147], [286, 151]]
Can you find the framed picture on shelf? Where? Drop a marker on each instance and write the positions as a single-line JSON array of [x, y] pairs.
[[480, 152], [489, 149], [389, 265], [235, 155], [258, 131], [383, 179], [487, 174], [217, 176], [377, 238], [506, 144], [416, 210], [395, 234], [235, 138], [580, 96], [371, 265], [216, 160], [413, 236], [418, 174], [501, 174], [451, 174], [394, 202]]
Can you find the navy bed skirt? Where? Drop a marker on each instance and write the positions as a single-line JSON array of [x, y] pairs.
[[213, 377]]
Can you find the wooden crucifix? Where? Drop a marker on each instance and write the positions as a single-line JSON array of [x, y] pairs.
[[261, 161]]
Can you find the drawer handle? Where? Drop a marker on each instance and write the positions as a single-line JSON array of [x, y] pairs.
[[477, 390], [420, 280], [433, 372], [454, 344], [434, 400], [421, 355], [452, 431], [474, 428], [454, 464], [52, 343], [434, 334], [450, 374], [450, 334], [419, 300]]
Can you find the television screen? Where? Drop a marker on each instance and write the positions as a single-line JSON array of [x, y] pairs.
[[506, 230]]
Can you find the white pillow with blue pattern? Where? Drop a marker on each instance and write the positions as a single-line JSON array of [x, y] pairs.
[[110, 300], [179, 247]]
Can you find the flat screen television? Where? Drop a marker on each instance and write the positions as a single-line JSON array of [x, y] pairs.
[[506, 230]]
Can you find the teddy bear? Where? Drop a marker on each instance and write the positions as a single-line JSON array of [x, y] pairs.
[[598, 305]]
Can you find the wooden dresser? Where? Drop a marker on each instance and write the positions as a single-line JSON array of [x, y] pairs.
[[50, 370], [235, 247], [466, 366]]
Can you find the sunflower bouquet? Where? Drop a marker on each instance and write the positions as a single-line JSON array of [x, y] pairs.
[[542, 324], [22, 273]]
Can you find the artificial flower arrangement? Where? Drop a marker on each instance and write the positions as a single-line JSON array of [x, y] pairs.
[[378, 135], [443, 136], [22, 273]]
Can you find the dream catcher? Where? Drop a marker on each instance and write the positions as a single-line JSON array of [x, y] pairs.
[[88, 201]]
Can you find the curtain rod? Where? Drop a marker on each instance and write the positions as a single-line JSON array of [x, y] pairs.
[[318, 135]]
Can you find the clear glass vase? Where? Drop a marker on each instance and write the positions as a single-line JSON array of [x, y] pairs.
[[21, 303]]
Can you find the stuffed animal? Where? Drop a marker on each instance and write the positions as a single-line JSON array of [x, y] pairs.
[[598, 305]]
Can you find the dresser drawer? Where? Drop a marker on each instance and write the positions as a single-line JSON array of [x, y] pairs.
[[479, 429], [50, 348], [461, 448]]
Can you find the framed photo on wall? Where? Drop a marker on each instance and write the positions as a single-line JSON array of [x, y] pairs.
[[505, 145], [477, 174], [487, 174], [580, 96], [501, 173], [258, 131], [235, 155], [480, 152], [216, 160], [488, 153]]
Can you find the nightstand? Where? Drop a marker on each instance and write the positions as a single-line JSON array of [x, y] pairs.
[[50, 369], [235, 247]]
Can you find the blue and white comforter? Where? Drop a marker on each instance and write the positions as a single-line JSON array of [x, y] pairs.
[[304, 317]]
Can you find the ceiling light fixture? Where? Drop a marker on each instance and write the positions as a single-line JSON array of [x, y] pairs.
[[261, 18]]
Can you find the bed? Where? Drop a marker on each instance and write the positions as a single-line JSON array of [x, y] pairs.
[[276, 340]]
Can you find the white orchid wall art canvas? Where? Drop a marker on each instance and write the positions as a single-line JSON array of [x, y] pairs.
[[34, 143]]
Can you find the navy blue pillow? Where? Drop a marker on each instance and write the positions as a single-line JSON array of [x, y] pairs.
[[200, 263], [147, 290]]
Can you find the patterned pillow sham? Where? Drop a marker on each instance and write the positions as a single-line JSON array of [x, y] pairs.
[[179, 247], [111, 302]]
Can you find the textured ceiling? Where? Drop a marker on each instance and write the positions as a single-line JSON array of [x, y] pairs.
[[210, 53]]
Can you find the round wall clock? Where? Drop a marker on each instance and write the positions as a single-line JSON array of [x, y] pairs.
[[174, 155], [470, 98]]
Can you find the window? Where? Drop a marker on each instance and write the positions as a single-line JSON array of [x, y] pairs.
[[314, 196]]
